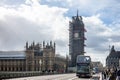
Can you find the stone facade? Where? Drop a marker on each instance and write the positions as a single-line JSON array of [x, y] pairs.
[[34, 58], [76, 38], [48, 57], [113, 59]]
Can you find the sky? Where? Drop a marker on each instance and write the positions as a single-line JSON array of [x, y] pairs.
[[48, 20]]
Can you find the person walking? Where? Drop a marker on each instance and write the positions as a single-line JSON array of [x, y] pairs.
[[104, 75], [107, 74], [112, 74], [118, 75]]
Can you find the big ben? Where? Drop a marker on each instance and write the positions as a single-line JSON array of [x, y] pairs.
[[76, 38]]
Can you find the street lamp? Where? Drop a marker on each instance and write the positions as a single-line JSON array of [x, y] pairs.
[[40, 62]]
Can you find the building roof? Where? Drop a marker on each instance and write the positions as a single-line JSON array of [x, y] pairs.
[[114, 53], [12, 55]]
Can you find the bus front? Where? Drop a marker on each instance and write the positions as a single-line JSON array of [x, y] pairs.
[[83, 70]]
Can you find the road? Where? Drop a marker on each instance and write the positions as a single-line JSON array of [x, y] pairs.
[[59, 77]]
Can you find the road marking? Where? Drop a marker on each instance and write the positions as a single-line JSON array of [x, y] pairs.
[[72, 78], [95, 78]]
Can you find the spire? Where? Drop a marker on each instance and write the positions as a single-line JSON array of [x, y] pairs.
[[77, 12], [112, 49], [54, 44], [33, 43], [26, 45], [51, 43], [43, 44], [77, 17]]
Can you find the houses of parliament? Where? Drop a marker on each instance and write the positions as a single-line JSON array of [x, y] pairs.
[[35, 57]]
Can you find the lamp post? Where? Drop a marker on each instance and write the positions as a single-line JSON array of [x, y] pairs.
[[40, 62]]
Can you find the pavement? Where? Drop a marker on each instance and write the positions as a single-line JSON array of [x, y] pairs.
[[97, 76]]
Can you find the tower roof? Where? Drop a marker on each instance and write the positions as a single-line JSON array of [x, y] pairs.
[[77, 17], [112, 49], [114, 53], [12, 55], [77, 13]]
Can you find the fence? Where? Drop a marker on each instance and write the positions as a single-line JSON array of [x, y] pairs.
[[6, 75]]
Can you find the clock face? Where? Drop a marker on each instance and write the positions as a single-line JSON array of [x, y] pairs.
[[76, 35]]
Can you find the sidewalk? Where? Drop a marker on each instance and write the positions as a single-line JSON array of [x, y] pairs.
[[97, 76], [101, 76]]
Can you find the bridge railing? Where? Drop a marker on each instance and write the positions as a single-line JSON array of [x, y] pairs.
[[6, 75]]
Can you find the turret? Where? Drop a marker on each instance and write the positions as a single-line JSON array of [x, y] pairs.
[[43, 44], [27, 45], [33, 44], [77, 17], [112, 49], [54, 45], [51, 43], [38, 46]]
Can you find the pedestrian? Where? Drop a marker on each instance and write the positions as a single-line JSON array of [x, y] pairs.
[[118, 75], [112, 75], [107, 74], [104, 74]]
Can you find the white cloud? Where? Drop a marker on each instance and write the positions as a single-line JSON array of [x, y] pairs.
[[35, 21], [99, 37], [32, 22]]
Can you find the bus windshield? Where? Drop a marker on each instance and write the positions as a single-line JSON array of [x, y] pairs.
[[82, 68]]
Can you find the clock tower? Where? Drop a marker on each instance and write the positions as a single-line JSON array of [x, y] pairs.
[[76, 38]]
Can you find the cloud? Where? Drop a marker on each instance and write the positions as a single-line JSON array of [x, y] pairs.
[[100, 36], [106, 8], [33, 22], [97, 33], [84, 6], [36, 20], [11, 2]]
